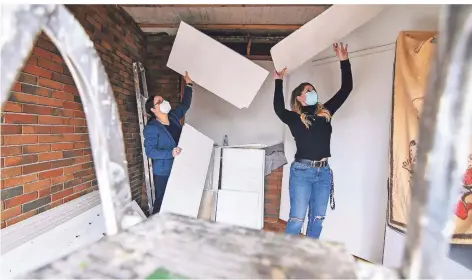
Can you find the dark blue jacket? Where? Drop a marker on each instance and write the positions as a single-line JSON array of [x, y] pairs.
[[158, 143]]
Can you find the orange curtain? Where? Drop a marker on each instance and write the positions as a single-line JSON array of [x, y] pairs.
[[413, 56]]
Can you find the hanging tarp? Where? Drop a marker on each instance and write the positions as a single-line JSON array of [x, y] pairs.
[[413, 56]]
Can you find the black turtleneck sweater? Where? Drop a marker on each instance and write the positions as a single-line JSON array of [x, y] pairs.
[[313, 143]]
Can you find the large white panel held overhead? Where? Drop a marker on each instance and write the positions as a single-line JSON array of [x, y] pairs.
[[216, 67], [187, 179], [319, 33]]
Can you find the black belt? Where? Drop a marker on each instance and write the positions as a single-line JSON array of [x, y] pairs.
[[312, 163]]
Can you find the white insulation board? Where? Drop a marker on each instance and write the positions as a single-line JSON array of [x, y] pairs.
[[187, 179], [216, 67], [239, 208], [319, 33]]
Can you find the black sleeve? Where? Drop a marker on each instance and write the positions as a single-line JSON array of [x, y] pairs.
[[284, 115], [346, 87]]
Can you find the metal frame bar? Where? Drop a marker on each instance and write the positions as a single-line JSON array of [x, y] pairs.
[[97, 97], [445, 130], [142, 123]]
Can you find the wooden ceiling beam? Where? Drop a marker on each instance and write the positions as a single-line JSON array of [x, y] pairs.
[[225, 6], [226, 26]]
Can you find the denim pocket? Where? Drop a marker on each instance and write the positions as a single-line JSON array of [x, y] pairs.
[[298, 166]]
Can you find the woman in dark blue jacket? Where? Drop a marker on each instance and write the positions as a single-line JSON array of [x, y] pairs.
[[161, 136]]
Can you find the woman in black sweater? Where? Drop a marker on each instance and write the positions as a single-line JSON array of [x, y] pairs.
[[311, 179]]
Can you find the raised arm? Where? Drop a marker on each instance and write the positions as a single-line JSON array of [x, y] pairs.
[[184, 105], [279, 103], [151, 145], [346, 80]]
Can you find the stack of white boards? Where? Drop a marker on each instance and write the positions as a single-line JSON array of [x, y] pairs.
[[240, 201], [216, 67], [241, 197], [52, 234]]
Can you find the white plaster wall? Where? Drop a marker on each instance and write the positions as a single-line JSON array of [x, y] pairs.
[[360, 175], [215, 117]]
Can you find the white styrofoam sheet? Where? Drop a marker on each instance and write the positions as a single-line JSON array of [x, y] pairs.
[[319, 33], [187, 179], [216, 67], [243, 169], [82, 230], [239, 208], [26, 230]]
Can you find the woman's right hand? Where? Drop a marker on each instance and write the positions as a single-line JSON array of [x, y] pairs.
[[176, 151], [280, 74]]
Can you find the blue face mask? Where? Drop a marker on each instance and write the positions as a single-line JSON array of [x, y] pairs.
[[311, 98]]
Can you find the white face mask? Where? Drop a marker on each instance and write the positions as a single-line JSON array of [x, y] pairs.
[[164, 107]]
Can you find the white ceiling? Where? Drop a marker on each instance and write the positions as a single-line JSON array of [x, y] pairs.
[[159, 18]]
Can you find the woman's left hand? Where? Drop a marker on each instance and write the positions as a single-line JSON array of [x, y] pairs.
[[187, 78], [341, 51]]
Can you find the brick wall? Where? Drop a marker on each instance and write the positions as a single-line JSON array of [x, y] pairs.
[[45, 150], [161, 80]]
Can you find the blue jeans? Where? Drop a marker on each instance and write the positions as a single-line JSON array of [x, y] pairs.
[[309, 188], [160, 184]]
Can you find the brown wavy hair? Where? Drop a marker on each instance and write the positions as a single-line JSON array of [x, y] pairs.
[[296, 106]]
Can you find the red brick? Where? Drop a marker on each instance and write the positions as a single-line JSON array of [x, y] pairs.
[[37, 71], [35, 186], [17, 118], [27, 129], [10, 129], [21, 199], [73, 169], [71, 89], [51, 173], [19, 140], [18, 181], [81, 187], [24, 98], [72, 137], [57, 59], [63, 95], [49, 101], [22, 217], [21, 160], [44, 192], [74, 196], [49, 138], [61, 194], [62, 179], [61, 146], [32, 61], [11, 151], [56, 203], [49, 156], [50, 120], [42, 53], [43, 91], [10, 213], [31, 149], [48, 64], [33, 168], [72, 105], [62, 129], [12, 107], [50, 84], [34, 109]]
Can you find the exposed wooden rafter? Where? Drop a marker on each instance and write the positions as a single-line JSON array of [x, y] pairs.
[[225, 26]]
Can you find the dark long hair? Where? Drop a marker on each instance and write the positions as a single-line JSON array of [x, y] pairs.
[[148, 106]]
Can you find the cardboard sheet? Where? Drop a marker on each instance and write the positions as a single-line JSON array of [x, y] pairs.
[[319, 33], [187, 179], [239, 208], [216, 67]]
